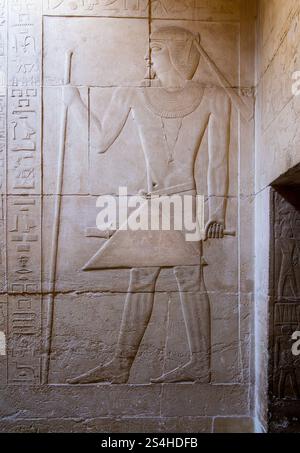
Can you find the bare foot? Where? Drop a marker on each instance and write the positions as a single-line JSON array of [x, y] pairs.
[[111, 373], [187, 373]]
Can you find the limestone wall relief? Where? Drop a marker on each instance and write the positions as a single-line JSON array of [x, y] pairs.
[[286, 308], [153, 97]]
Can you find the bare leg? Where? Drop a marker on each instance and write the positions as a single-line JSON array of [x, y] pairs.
[[136, 316], [196, 313]]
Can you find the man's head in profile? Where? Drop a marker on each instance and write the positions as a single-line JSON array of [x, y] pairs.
[[174, 55]]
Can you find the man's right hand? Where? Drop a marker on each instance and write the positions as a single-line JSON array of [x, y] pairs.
[[70, 94]]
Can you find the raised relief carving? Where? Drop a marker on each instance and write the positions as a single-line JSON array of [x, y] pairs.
[[23, 340], [3, 339], [286, 366], [24, 244], [288, 249], [172, 116], [73, 5], [23, 105], [196, 9], [3, 137], [24, 268], [23, 213], [167, 6], [98, 7]]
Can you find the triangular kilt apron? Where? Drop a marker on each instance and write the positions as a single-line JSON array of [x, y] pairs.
[[160, 248]]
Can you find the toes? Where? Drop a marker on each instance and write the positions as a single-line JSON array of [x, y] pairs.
[[157, 380], [73, 381]]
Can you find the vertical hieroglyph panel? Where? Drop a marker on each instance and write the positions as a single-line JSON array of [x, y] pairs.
[[24, 191], [3, 340], [285, 308], [3, 96], [24, 154], [3, 102]]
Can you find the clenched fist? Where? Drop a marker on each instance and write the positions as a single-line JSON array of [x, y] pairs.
[[214, 230]]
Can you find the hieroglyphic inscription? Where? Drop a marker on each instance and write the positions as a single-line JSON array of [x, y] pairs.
[[181, 9], [24, 191], [3, 102], [3, 339], [24, 339], [287, 249], [97, 7], [23, 91], [24, 270], [286, 291], [24, 262], [3, 71], [196, 9]]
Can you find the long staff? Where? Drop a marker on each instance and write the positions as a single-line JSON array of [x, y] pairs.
[[56, 224], [245, 109]]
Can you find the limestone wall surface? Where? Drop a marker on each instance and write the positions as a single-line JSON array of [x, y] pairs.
[[126, 330], [277, 151], [278, 57]]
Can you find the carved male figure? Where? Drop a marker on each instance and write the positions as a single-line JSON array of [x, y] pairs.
[[171, 117], [287, 238]]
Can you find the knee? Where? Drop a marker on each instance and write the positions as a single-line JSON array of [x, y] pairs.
[[143, 280], [188, 278]]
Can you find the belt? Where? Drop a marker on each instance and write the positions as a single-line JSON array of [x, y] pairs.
[[173, 190]]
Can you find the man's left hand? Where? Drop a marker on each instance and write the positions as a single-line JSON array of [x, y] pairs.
[[214, 230]]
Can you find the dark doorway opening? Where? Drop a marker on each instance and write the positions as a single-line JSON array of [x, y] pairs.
[[284, 365]]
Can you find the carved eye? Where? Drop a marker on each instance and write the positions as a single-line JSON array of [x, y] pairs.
[[156, 48]]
